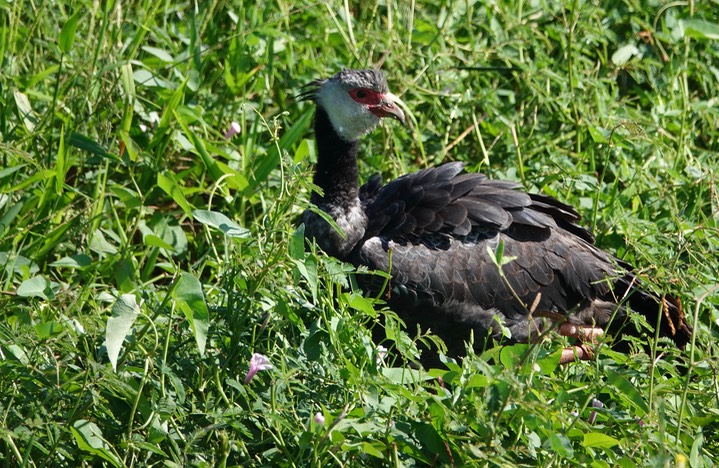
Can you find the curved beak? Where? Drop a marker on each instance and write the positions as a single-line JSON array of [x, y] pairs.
[[388, 107]]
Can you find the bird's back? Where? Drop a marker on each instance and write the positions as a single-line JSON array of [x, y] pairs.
[[469, 253]]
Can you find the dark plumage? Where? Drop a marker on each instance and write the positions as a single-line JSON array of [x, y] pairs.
[[439, 229]]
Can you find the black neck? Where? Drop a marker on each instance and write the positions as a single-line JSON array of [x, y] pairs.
[[336, 172]]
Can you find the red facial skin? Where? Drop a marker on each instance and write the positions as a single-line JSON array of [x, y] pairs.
[[377, 103]]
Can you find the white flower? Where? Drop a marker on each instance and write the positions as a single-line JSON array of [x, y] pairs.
[[319, 418], [381, 354]]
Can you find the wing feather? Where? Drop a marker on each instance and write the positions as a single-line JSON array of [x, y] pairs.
[[439, 225]]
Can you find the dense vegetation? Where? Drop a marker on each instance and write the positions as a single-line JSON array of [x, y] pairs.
[[145, 257]]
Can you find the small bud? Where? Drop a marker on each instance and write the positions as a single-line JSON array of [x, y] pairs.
[[233, 130]]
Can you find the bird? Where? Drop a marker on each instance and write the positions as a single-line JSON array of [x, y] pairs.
[[468, 256]]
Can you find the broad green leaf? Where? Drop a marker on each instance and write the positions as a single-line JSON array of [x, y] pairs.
[[159, 53], [560, 444], [312, 344], [699, 29], [599, 440], [45, 330], [297, 243], [166, 181], [131, 148], [696, 450], [477, 381], [128, 197], [308, 269], [10, 170], [213, 167], [166, 228], [67, 33], [628, 391], [190, 299], [361, 303], [25, 111], [89, 438], [626, 462], [6, 220], [234, 179], [101, 245], [19, 353], [430, 439], [91, 146], [305, 150], [124, 313], [151, 240], [369, 449], [598, 134], [150, 447], [73, 261], [222, 223], [512, 356], [404, 375], [37, 286], [41, 76], [146, 78], [18, 263], [549, 363]]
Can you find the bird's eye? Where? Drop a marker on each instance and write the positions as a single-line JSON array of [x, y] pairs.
[[366, 96]]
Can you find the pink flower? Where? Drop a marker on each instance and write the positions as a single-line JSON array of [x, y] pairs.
[[257, 363], [319, 419], [593, 415], [234, 130]]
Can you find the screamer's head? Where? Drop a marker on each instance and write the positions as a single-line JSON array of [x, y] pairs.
[[355, 101]]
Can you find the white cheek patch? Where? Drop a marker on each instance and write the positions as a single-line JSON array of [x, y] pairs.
[[349, 118]]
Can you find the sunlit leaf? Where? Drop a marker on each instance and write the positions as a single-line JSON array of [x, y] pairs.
[[699, 29], [221, 222], [37, 286], [67, 33], [47, 329], [73, 261], [124, 313], [190, 299], [167, 182], [24, 109], [599, 440], [159, 53]]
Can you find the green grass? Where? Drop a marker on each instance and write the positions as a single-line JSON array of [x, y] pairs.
[[130, 309]]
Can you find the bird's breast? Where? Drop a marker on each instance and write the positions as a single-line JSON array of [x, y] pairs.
[[351, 224]]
